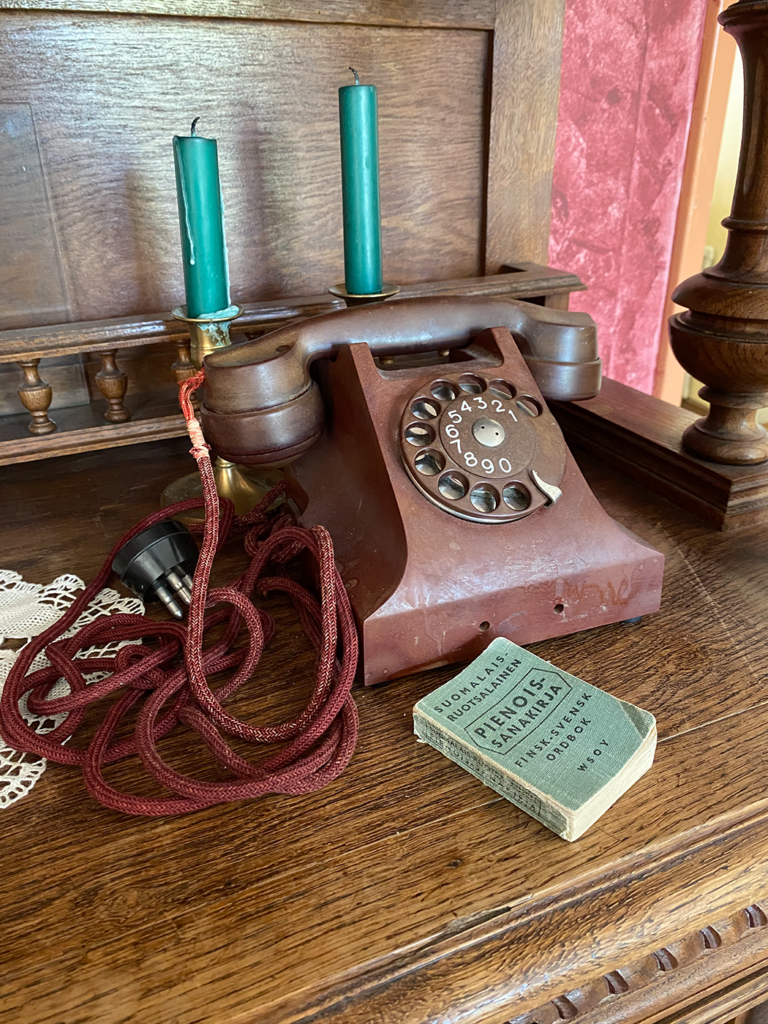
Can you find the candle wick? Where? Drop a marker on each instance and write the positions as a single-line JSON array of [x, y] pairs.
[[193, 129], [357, 77]]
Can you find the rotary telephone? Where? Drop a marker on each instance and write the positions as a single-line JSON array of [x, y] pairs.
[[456, 510]]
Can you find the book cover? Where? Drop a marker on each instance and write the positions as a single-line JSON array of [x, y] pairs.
[[559, 748]]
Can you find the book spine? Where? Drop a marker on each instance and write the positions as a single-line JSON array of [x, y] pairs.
[[510, 788]]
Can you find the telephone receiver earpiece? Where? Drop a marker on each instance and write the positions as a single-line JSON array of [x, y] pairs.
[[262, 407]]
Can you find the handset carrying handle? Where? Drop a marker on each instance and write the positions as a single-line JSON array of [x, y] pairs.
[[262, 406]]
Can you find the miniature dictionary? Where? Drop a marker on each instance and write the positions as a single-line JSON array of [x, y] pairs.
[[559, 748]]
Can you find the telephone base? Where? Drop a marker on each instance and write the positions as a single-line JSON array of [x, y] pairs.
[[429, 588]]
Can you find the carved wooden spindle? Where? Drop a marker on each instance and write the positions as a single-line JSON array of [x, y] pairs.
[[36, 396], [112, 383], [183, 368], [723, 338]]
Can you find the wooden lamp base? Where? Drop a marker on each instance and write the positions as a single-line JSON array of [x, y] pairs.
[[642, 437]]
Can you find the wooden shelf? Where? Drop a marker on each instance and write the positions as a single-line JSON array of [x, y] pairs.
[[154, 414]]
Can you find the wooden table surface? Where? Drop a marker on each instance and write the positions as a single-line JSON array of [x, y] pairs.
[[405, 892]]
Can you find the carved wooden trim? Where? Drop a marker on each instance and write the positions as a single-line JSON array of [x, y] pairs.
[[36, 395], [637, 976], [112, 383], [89, 439]]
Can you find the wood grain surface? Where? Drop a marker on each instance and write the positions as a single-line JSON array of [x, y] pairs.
[[406, 892], [525, 93], [107, 94], [414, 13]]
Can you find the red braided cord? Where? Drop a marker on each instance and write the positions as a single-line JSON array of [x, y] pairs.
[[318, 743]]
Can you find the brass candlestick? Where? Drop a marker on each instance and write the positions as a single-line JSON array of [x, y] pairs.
[[351, 299], [244, 487], [207, 333]]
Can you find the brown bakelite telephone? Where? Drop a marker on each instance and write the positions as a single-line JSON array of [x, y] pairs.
[[456, 510]]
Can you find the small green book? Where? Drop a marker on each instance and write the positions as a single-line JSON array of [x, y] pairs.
[[557, 747]]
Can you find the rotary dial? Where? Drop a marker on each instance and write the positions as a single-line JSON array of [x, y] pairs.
[[481, 449]]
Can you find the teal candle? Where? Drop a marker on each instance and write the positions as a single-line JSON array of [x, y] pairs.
[[360, 188], [206, 275]]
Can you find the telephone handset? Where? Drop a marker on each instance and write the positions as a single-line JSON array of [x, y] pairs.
[[262, 406], [456, 510]]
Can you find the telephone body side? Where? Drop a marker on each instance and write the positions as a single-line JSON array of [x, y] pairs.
[[434, 575]]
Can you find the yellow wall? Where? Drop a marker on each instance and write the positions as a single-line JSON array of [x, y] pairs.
[[727, 165]]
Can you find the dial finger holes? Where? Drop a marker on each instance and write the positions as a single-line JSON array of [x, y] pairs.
[[430, 462], [419, 434], [516, 497], [529, 405], [453, 486], [445, 390], [485, 498], [424, 409], [471, 384], [502, 389]]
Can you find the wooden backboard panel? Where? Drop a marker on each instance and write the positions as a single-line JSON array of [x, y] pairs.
[[32, 289], [108, 93]]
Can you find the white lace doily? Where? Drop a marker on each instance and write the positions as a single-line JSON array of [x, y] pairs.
[[26, 610]]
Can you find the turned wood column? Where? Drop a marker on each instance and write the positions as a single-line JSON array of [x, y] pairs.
[[36, 395], [722, 340], [183, 368], [112, 383]]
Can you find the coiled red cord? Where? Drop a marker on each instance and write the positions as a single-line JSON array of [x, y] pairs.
[[318, 743]]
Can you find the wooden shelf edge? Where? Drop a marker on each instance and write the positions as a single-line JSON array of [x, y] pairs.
[[71, 442], [524, 280], [640, 436]]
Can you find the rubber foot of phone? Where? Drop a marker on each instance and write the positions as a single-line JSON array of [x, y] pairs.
[[633, 622]]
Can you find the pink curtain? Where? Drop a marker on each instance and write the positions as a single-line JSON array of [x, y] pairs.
[[628, 82]]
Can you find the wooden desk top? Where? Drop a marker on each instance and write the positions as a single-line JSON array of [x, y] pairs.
[[406, 892]]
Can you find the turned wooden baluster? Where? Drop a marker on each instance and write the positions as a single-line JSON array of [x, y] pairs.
[[723, 338], [36, 396], [112, 383], [183, 368]]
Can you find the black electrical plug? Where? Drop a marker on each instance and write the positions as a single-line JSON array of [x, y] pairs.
[[158, 565]]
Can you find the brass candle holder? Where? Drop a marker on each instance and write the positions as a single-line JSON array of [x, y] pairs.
[[207, 333], [244, 487], [351, 299]]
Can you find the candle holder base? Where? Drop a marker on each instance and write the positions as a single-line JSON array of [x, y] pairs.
[[207, 333], [351, 299], [243, 486]]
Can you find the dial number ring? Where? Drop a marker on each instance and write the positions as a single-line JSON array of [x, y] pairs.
[[491, 436], [468, 416]]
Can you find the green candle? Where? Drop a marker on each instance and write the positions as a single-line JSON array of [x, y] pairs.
[[360, 188], [206, 275]]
